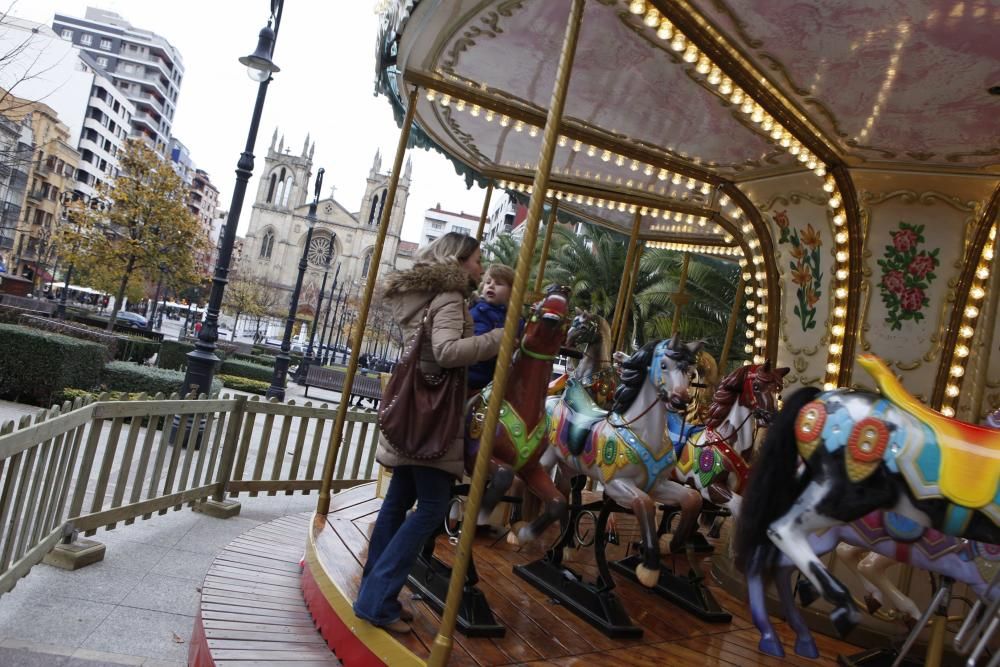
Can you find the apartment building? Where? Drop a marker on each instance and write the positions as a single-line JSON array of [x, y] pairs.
[[143, 65], [438, 222], [16, 150]]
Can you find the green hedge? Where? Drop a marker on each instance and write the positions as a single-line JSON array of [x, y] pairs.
[[246, 369], [136, 350], [244, 384], [74, 330], [253, 358], [173, 354], [12, 314], [36, 364], [127, 377]]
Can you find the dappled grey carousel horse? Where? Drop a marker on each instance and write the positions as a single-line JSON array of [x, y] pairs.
[[624, 449]]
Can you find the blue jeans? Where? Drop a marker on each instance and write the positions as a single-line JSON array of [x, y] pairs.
[[397, 538]]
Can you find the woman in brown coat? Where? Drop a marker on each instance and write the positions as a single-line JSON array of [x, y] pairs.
[[440, 282]]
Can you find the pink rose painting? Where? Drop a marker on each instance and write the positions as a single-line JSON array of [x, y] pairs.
[[907, 274]]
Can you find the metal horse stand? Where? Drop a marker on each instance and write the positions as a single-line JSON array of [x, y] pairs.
[[596, 603]]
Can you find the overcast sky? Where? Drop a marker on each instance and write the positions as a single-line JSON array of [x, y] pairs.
[[326, 51]]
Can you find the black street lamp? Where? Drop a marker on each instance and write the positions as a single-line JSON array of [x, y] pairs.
[[202, 360], [323, 336], [335, 307], [281, 361]]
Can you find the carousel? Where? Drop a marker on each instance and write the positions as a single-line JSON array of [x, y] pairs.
[[844, 156]]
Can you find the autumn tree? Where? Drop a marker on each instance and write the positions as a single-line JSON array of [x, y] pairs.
[[145, 227], [250, 295]]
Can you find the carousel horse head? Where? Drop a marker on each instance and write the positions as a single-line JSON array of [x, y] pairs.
[[759, 389], [546, 326], [587, 328], [667, 365]]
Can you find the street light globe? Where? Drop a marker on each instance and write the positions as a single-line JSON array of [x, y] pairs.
[[259, 63]]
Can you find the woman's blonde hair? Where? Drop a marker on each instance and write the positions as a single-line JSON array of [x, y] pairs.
[[452, 248]]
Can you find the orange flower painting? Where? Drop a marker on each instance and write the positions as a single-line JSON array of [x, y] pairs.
[[805, 266]]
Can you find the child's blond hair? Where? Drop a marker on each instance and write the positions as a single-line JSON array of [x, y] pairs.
[[501, 273]]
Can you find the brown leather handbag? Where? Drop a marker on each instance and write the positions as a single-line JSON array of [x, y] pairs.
[[420, 413]]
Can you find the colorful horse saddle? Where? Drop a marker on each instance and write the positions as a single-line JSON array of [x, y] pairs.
[[584, 413], [969, 455]]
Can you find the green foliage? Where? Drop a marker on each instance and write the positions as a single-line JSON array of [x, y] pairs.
[[36, 364], [123, 376], [254, 358], [247, 369], [245, 384], [12, 314], [137, 350], [173, 354], [70, 394], [74, 330]]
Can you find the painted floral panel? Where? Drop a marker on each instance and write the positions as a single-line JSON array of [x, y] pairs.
[[907, 274], [806, 273]]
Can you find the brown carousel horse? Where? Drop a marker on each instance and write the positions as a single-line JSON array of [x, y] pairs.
[[517, 445]]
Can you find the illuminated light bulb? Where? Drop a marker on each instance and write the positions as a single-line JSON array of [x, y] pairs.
[[841, 274], [648, 170], [715, 76], [690, 184], [802, 157], [590, 201], [690, 53], [600, 203], [621, 206], [702, 222], [751, 304], [759, 326], [757, 259], [748, 348], [777, 132], [652, 18], [753, 243], [795, 148], [820, 170], [665, 31], [605, 156], [431, 95], [678, 216], [577, 145], [518, 126], [786, 140], [971, 312], [834, 201], [993, 233], [662, 175], [839, 311], [841, 256], [746, 276], [489, 115], [632, 208], [988, 254], [982, 273], [475, 110], [759, 276], [704, 66], [748, 289], [841, 293], [460, 105], [811, 162], [726, 86], [678, 42], [690, 218], [562, 140], [839, 219], [533, 131], [676, 180], [829, 186], [962, 351], [747, 106], [758, 114], [837, 330], [705, 188], [620, 160], [637, 7], [831, 368], [591, 151], [835, 348], [951, 390], [948, 411], [977, 293], [757, 359], [445, 100], [747, 228], [841, 237], [829, 386], [957, 371], [767, 124], [643, 211], [736, 97], [965, 331]]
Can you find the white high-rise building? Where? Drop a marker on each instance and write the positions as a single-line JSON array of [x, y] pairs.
[[42, 67], [438, 222], [142, 64]]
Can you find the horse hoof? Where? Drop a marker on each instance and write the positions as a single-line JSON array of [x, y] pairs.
[[646, 576], [771, 646], [806, 647], [664, 543], [844, 620]]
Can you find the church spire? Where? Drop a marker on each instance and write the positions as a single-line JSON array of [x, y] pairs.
[[305, 146], [281, 144], [408, 170], [274, 138], [312, 149], [377, 163]]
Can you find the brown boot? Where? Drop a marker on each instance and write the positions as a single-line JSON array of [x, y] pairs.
[[406, 615], [398, 627]]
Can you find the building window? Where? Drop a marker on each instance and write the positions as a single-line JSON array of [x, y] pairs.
[[270, 188], [106, 44], [86, 40], [367, 264], [437, 225], [103, 62], [67, 34], [267, 245]]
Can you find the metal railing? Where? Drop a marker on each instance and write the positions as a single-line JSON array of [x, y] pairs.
[[81, 466]]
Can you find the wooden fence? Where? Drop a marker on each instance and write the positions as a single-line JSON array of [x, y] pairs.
[[81, 466]]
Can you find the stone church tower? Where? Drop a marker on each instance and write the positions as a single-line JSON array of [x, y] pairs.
[[277, 232]]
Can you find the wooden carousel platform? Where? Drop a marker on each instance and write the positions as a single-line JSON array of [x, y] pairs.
[[539, 631]]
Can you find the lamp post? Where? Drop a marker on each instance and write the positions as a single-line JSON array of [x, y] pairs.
[[277, 388], [260, 67], [324, 337], [309, 358], [327, 355]]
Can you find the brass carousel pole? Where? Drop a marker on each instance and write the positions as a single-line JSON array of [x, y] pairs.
[[441, 648], [323, 504], [486, 209], [680, 297], [731, 327], [632, 278], [623, 288], [540, 278]]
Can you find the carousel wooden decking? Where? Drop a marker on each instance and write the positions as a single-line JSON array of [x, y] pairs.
[[538, 631]]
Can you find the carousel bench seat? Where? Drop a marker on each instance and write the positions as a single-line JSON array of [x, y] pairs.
[[252, 611]]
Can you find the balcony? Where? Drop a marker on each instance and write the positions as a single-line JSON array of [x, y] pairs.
[[36, 196]]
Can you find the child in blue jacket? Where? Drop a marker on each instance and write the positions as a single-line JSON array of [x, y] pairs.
[[489, 313]]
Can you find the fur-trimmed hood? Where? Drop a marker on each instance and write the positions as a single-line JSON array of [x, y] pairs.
[[432, 277]]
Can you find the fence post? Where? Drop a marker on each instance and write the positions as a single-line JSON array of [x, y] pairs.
[[217, 505]]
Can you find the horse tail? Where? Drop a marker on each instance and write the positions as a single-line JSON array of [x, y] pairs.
[[772, 487]]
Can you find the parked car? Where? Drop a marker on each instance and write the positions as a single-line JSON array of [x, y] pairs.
[[134, 320]]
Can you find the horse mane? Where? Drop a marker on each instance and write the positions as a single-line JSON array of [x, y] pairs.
[[634, 371], [604, 331], [726, 394]]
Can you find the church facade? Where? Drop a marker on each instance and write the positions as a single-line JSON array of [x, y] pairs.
[[278, 228]]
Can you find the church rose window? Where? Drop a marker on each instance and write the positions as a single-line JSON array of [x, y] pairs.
[[320, 249]]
